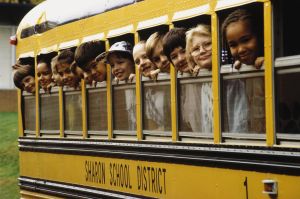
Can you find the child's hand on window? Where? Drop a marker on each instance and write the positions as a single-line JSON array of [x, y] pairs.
[[259, 62], [195, 70], [153, 74], [237, 64]]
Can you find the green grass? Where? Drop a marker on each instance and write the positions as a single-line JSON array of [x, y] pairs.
[[9, 156]]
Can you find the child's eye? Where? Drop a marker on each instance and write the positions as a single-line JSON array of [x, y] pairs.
[[112, 65], [38, 74], [246, 39], [173, 57], [156, 59]]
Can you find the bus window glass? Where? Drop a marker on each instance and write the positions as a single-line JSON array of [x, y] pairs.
[[29, 113], [97, 110], [195, 110], [157, 106], [124, 110], [245, 97], [73, 111], [49, 112], [288, 103]]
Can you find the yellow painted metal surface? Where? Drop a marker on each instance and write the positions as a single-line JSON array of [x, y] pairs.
[[109, 97], [37, 101], [161, 180], [215, 80], [61, 112], [20, 112], [139, 127], [33, 195], [84, 109], [270, 121]]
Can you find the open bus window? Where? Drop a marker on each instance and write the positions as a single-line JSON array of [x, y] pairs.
[[242, 79], [124, 107], [97, 110], [195, 87], [29, 114], [73, 111]]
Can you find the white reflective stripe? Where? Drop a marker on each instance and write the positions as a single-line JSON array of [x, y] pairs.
[[120, 31], [152, 22], [96, 37], [189, 13], [27, 54], [68, 44], [224, 4], [49, 49]]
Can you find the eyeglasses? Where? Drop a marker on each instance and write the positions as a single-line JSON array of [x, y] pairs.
[[206, 46]]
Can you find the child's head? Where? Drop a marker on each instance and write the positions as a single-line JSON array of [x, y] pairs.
[[56, 78], [64, 59], [98, 70], [24, 77], [120, 59], [198, 46], [174, 44], [241, 35], [154, 51], [141, 59], [85, 55], [72, 75], [44, 73]]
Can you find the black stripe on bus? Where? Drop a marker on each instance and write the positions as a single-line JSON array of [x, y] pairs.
[[250, 158], [67, 190]]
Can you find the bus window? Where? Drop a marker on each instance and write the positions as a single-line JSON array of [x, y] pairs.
[[156, 95], [124, 112], [157, 106], [29, 114], [287, 71], [195, 84], [97, 111], [242, 74], [73, 112], [49, 114]]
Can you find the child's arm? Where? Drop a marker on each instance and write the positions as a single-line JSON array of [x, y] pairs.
[[131, 77], [195, 70], [154, 73]]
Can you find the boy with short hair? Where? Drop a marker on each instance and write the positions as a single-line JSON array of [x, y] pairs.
[[85, 57], [174, 44], [119, 56]]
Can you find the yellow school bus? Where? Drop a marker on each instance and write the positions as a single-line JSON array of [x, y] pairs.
[[96, 142]]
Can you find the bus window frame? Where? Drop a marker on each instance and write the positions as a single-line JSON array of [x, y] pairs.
[[202, 77], [71, 133], [101, 86], [28, 133], [42, 93], [121, 134], [162, 79]]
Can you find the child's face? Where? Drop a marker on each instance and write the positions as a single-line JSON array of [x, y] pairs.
[[178, 58], [141, 60], [99, 71], [44, 75], [56, 77], [242, 42], [95, 71], [72, 79], [201, 51], [121, 67], [160, 59], [28, 84]]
